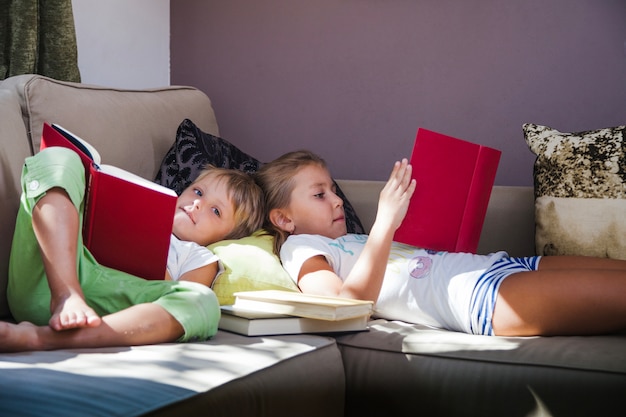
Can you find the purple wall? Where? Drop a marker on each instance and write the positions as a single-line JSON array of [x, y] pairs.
[[353, 79]]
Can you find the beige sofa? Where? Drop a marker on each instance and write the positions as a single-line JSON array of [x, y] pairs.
[[393, 369]]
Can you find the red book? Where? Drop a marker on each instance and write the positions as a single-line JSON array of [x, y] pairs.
[[128, 219], [454, 182]]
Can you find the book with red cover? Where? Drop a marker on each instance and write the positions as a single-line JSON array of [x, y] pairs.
[[127, 223], [454, 182]]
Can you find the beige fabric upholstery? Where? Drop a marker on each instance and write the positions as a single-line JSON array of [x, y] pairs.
[[396, 369], [509, 223], [228, 376], [132, 129]]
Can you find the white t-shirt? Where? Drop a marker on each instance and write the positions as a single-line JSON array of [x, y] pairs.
[[184, 256], [420, 286]]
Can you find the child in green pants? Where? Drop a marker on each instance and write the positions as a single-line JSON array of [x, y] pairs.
[[63, 298]]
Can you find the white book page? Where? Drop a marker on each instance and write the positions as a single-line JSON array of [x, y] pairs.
[[134, 178], [87, 147]]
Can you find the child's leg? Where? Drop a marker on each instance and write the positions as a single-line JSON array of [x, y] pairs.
[[43, 279], [580, 262], [181, 311], [56, 226], [565, 296], [134, 311], [137, 325]]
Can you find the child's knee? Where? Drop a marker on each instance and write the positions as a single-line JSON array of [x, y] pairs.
[[195, 307], [208, 316], [54, 167]]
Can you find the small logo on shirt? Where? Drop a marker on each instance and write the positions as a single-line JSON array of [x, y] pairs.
[[419, 267]]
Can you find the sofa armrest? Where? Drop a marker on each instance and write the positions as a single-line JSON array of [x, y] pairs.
[[13, 150]]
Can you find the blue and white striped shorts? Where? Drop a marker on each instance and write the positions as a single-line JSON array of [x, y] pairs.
[[486, 291]]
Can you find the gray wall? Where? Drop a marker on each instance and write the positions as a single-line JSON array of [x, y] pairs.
[[353, 79]]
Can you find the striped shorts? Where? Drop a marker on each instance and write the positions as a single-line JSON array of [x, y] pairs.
[[486, 291]]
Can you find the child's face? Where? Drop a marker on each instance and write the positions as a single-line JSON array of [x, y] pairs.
[[314, 206], [204, 212]]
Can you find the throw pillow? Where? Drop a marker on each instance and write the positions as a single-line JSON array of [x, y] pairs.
[[580, 191], [249, 265], [193, 149]]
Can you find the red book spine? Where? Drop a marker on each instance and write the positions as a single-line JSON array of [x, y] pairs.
[[478, 199], [88, 212]]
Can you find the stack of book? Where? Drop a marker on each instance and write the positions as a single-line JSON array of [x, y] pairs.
[[273, 312]]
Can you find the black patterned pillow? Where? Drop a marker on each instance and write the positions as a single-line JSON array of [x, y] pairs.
[[193, 149], [580, 191]]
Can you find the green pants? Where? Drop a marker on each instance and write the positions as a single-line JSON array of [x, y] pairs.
[[106, 290]]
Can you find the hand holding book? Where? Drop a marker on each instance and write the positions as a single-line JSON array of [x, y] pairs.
[[396, 195]]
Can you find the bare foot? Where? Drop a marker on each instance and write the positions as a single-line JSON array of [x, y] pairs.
[[71, 313], [19, 337]]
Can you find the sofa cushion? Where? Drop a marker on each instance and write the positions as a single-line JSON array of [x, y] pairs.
[[193, 149], [489, 375], [249, 264], [580, 191], [230, 375], [131, 129]]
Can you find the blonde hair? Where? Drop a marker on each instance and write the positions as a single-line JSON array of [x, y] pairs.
[[276, 181], [246, 196]]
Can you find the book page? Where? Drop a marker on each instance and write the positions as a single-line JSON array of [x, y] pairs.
[[80, 143], [134, 178], [298, 297], [251, 314]]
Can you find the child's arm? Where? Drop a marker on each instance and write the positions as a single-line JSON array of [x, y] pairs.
[[203, 275], [365, 279]]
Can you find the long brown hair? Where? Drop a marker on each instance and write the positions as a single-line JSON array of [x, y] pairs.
[[276, 181]]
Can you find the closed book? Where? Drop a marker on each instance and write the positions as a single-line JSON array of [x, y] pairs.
[[302, 305], [454, 182], [256, 323], [127, 222]]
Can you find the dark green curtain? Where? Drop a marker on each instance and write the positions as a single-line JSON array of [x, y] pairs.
[[38, 37]]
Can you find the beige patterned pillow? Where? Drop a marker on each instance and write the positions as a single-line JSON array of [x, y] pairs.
[[580, 191]]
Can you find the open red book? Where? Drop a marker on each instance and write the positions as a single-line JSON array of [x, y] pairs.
[[128, 219], [454, 182]]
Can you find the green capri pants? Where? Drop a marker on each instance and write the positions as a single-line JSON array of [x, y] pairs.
[[106, 290]]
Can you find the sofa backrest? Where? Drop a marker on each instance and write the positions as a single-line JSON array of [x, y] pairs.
[[132, 129], [509, 221]]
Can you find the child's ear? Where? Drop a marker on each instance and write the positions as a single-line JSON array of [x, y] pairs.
[[280, 219]]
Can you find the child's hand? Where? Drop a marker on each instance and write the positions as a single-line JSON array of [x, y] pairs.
[[396, 195]]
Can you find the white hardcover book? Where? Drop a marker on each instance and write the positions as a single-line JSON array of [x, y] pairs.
[[255, 323]]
